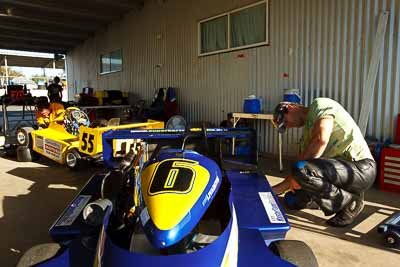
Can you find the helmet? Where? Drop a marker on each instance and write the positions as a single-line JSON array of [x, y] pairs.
[[279, 116]]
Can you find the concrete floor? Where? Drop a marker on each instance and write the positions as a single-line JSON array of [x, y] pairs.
[[356, 245], [32, 195]]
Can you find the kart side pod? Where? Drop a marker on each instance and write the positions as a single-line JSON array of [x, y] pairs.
[[177, 188]]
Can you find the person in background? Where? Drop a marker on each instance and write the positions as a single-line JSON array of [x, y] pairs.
[[43, 112], [54, 90], [49, 112], [335, 166]]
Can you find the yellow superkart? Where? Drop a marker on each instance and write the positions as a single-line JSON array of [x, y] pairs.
[[71, 141]]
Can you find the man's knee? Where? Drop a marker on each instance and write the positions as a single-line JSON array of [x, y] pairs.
[[299, 171], [309, 176]]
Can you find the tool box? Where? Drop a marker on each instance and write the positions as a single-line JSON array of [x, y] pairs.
[[389, 176]]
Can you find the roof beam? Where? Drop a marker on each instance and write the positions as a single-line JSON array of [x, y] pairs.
[[123, 4], [32, 48], [54, 7], [56, 21], [43, 30], [37, 46], [43, 35], [53, 41]]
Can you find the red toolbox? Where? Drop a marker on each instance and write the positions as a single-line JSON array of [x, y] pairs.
[[397, 138], [389, 177]]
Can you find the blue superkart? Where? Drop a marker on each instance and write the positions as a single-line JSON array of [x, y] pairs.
[[162, 204]]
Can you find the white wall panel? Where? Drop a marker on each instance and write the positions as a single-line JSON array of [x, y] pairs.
[[324, 46]]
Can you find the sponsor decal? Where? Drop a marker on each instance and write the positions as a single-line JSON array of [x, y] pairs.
[[39, 142], [52, 149], [273, 211], [211, 191], [73, 210], [121, 147]]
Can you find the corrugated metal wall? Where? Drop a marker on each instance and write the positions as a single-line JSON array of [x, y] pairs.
[[324, 46]]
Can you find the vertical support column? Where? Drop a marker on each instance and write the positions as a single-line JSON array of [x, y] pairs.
[[280, 151], [6, 66]]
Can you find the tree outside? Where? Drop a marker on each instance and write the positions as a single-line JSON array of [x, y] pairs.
[[12, 73]]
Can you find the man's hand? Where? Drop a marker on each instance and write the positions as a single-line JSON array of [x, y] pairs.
[[320, 134], [289, 183]]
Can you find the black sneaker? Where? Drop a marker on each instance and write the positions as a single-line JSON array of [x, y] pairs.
[[347, 215]]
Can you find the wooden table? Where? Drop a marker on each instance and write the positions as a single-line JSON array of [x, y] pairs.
[[270, 117]]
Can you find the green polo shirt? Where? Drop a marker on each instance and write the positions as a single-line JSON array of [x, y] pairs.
[[346, 140]]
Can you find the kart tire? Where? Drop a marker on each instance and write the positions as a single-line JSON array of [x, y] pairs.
[[24, 137], [38, 254], [392, 239], [25, 154], [295, 252], [73, 159]]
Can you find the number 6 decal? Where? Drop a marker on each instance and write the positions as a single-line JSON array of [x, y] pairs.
[[173, 176]]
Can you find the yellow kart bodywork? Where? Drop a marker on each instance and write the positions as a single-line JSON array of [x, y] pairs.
[[90, 139], [54, 142]]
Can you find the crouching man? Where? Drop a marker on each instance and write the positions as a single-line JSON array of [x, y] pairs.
[[335, 166]]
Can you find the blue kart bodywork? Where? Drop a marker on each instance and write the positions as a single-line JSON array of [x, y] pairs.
[[257, 219], [390, 229]]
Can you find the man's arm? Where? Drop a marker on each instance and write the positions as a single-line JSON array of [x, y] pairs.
[[320, 134]]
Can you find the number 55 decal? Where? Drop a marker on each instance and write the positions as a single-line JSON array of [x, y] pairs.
[[87, 143]]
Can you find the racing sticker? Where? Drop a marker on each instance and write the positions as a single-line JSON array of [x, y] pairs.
[[273, 211], [121, 147], [73, 210], [52, 149], [39, 142]]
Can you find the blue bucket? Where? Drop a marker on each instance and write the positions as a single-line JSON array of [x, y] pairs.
[[252, 105]]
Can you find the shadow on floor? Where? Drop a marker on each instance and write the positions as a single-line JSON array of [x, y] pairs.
[[362, 231], [379, 205], [28, 216]]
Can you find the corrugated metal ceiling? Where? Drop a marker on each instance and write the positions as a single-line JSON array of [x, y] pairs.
[[56, 26]]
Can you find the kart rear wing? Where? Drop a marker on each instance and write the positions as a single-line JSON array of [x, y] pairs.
[[154, 135]]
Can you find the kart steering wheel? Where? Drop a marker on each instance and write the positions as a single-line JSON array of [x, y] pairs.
[[74, 118]]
